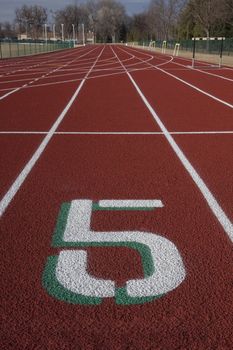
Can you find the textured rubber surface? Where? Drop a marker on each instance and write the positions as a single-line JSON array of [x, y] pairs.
[[114, 161]]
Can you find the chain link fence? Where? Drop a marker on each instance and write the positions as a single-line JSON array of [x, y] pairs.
[[202, 46], [10, 48], [206, 50]]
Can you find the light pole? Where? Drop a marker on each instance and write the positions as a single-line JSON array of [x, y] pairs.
[[54, 32], [62, 32], [73, 33], [28, 23], [83, 35], [45, 32]]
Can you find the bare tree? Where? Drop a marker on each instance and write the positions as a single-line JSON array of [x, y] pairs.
[[110, 17], [92, 8], [73, 15], [163, 16], [139, 28], [187, 27], [164, 19], [104, 18], [206, 13], [7, 30], [30, 19], [227, 12]]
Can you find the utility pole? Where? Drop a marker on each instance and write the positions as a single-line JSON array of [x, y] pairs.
[[45, 33], [73, 34], [54, 32], [62, 32], [83, 35]]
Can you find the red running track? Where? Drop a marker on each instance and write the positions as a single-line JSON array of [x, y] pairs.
[[107, 142]]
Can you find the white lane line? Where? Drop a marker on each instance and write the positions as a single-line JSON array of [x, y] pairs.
[[12, 89], [121, 71], [75, 80], [188, 68], [201, 132], [52, 58], [200, 69], [154, 203], [117, 132], [11, 92], [188, 84], [207, 73], [43, 76], [48, 64], [28, 167], [207, 194]]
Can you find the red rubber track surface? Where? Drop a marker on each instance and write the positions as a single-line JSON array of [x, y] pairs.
[[211, 162], [16, 150], [26, 76], [198, 314], [208, 82], [226, 72]]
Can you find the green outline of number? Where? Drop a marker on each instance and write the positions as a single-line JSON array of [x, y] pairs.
[[55, 289]]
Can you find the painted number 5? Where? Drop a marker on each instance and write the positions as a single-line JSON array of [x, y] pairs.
[[66, 276]]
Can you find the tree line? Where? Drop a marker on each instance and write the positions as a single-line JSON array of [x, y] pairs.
[[109, 22], [183, 19]]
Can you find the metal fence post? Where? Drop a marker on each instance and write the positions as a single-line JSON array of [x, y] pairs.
[[194, 50], [221, 51]]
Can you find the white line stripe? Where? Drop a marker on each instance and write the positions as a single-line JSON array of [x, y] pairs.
[[82, 72], [43, 61], [78, 79], [43, 76], [201, 132], [186, 83], [212, 202], [156, 203], [10, 93], [28, 167], [116, 132], [188, 68]]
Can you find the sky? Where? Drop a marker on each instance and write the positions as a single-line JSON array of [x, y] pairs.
[[7, 7]]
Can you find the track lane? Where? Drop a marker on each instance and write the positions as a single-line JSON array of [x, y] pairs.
[[170, 97], [33, 105], [208, 83], [6, 200], [40, 77], [17, 150], [215, 164], [35, 61], [35, 108], [208, 196], [221, 72], [97, 110], [205, 67], [99, 167], [64, 74], [195, 316], [60, 73]]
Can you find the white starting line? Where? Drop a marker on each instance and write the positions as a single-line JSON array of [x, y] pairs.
[[116, 132]]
